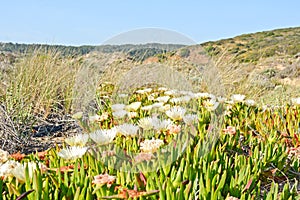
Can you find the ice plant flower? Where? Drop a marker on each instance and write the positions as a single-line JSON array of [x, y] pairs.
[[162, 89], [211, 104], [103, 179], [144, 91], [175, 100], [202, 95], [147, 108], [174, 129], [151, 146], [143, 157], [250, 102], [176, 113], [117, 107], [163, 99], [158, 105], [6, 168], [162, 125], [296, 101], [3, 156], [132, 114], [72, 153], [77, 140], [127, 129], [171, 92], [190, 119], [230, 130], [119, 114], [104, 136], [182, 99], [165, 108], [104, 116], [146, 123], [19, 170], [133, 106], [238, 97]]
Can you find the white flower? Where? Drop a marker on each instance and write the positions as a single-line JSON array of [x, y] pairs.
[[150, 146], [296, 101], [250, 102], [133, 106], [132, 114], [71, 153], [162, 89], [3, 156], [103, 136], [147, 108], [162, 125], [163, 99], [146, 123], [176, 113], [211, 104], [77, 140], [165, 108], [119, 114], [171, 92], [144, 91], [203, 95], [117, 107], [175, 100], [238, 97], [158, 105], [190, 119], [185, 99], [6, 168], [127, 129], [19, 171]]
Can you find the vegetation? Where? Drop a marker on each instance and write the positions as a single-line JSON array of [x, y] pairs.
[[256, 154], [158, 140], [255, 46]]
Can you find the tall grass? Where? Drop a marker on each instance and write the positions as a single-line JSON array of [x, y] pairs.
[[40, 84]]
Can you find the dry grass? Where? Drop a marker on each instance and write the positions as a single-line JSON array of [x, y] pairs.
[[39, 85]]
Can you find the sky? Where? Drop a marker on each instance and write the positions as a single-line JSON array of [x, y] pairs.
[[93, 22]]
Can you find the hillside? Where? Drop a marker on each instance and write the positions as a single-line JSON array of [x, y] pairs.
[[262, 65]]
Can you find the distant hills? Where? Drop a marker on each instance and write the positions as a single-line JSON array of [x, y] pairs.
[[258, 64]]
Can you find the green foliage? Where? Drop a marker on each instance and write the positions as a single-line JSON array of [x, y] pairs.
[[242, 163]]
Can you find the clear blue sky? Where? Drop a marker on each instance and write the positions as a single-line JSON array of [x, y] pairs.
[[80, 22]]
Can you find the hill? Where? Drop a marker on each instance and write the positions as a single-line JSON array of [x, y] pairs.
[[263, 65]]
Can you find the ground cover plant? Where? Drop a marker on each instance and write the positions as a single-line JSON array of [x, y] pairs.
[[159, 143]]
